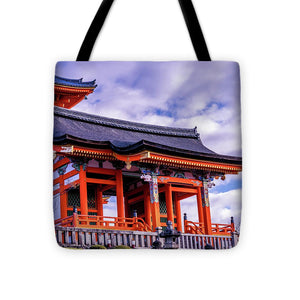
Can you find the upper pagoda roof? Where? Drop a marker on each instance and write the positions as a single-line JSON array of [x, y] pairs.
[[75, 82], [124, 137]]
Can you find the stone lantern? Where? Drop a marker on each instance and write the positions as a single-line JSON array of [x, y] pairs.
[[170, 235]]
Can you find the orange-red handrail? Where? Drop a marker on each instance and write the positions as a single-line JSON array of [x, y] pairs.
[[222, 228], [116, 223], [64, 221], [193, 227], [198, 228]]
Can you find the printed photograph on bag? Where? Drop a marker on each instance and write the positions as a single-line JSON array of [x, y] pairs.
[[147, 155]]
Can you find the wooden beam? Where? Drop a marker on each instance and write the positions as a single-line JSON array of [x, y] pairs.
[[60, 163], [101, 181], [105, 188], [184, 196], [101, 171], [71, 173], [136, 199], [177, 180], [196, 164], [56, 192], [73, 183], [56, 181], [66, 176], [162, 189], [135, 191], [184, 190]]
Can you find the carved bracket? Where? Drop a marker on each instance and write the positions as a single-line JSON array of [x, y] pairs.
[[62, 170]]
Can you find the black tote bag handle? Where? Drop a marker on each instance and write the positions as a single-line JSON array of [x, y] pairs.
[[191, 21]]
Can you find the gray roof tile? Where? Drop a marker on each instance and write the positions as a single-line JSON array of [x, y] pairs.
[[124, 136]]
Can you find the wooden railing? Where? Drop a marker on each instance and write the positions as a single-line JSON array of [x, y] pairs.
[[87, 237], [201, 241], [65, 222], [222, 229], [217, 229], [193, 227], [102, 222]]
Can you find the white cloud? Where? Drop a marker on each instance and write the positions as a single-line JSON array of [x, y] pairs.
[[225, 205], [110, 209], [189, 206], [222, 206]]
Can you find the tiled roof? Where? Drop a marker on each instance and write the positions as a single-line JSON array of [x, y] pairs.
[[126, 125], [129, 137], [74, 82]]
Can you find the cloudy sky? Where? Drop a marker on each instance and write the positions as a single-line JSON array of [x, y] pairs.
[[179, 94]]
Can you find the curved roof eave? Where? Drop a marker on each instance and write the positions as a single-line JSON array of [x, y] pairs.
[[144, 145]]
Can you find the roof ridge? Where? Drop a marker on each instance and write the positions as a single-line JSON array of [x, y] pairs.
[[126, 125], [74, 82], [69, 79]]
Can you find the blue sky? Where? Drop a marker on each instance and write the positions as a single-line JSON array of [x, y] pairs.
[[179, 94]]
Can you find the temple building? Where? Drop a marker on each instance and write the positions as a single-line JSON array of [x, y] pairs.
[[149, 169], [69, 92]]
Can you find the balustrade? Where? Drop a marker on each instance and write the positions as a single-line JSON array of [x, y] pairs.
[[87, 237], [116, 223]]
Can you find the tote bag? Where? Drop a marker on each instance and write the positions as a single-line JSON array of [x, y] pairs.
[[147, 154]]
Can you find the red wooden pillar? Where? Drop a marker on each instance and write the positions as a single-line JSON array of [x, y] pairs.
[[154, 200], [169, 204], [83, 191], [178, 212], [147, 206], [199, 205], [99, 197], [119, 192], [63, 197], [207, 220], [155, 215], [206, 210]]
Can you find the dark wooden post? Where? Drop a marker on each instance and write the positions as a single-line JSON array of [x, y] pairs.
[[185, 221]]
